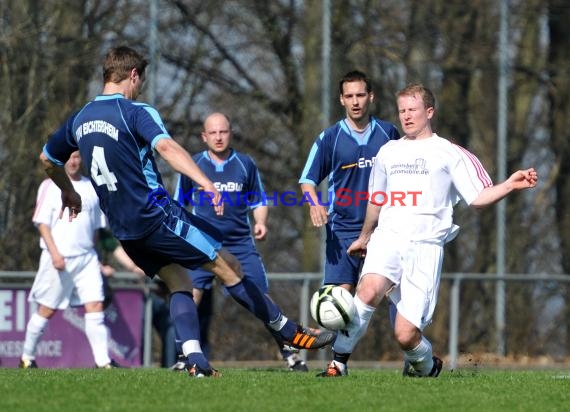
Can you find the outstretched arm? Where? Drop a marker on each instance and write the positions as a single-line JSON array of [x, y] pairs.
[[521, 179], [181, 161]]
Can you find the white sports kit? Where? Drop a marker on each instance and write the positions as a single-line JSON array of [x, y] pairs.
[[81, 281], [428, 177]]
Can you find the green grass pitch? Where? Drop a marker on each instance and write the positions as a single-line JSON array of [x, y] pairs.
[[272, 389]]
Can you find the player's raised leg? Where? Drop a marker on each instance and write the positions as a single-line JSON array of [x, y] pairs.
[[247, 293]]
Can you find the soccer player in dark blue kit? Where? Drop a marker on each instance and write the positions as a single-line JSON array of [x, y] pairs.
[[116, 137], [344, 154], [236, 176]]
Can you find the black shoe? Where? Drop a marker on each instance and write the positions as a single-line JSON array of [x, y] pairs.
[[437, 367], [295, 364], [197, 372], [27, 364], [110, 365], [434, 373], [307, 338]]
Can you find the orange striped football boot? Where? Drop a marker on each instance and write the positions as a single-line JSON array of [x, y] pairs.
[[308, 338]]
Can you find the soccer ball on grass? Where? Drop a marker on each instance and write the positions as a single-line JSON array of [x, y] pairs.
[[332, 307]]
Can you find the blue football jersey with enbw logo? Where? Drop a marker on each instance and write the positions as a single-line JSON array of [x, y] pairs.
[[239, 183], [115, 137], [346, 158]]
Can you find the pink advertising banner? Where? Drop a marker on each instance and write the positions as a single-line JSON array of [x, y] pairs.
[[64, 344]]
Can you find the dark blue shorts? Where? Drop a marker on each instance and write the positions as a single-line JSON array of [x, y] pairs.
[[181, 238], [339, 266], [251, 264]]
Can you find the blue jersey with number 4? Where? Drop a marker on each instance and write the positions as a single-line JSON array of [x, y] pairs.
[[115, 137]]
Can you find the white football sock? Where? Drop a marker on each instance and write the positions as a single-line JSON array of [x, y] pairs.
[[191, 346], [98, 336], [421, 357], [34, 331], [347, 339]]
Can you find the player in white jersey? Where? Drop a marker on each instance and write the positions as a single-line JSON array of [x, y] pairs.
[[69, 272], [414, 185]]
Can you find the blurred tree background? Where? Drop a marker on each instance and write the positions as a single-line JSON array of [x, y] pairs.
[[261, 63]]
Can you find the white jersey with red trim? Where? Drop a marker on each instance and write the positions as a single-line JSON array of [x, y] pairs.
[[418, 182], [71, 238]]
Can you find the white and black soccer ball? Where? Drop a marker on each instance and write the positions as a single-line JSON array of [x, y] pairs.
[[332, 307]]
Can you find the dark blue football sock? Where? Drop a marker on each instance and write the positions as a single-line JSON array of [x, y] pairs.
[[184, 315], [248, 294], [205, 313], [288, 330]]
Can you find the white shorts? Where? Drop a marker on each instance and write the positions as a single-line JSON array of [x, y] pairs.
[[79, 283], [415, 270]]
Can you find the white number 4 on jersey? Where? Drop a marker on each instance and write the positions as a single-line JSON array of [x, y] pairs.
[[100, 173]]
